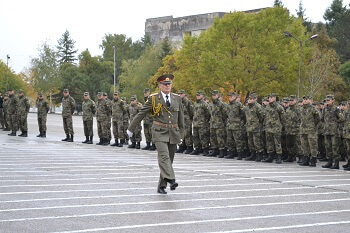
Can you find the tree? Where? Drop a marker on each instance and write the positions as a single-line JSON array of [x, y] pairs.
[[278, 3], [166, 48], [301, 15], [14, 80], [334, 12], [66, 51], [344, 72]]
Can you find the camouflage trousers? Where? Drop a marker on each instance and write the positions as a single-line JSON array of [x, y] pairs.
[[22, 122], [255, 143], [188, 138], [217, 138], [109, 126], [6, 120], [309, 145], [342, 147], [332, 146], [321, 145], [201, 137], [125, 127], [273, 143], [136, 137], [13, 122], [235, 140], [68, 125], [88, 128], [118, 129], [2, 120], [42, 123], [293, 145], [347, 143], [102, 129], [147, 131]]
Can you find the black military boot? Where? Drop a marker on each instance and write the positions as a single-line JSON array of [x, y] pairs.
[[105, 142], [313, 161], [306, 161], [153, 147], [347, 169], [290, 159], [24, 134], [214, 152], [258, 157], [181, 148], [100, 142], [278, 159], [115, 143], [284, 155], [301, 159], [336, 164], [90, 140], [270, 158], [205, 151], [86, 139], [138, 146], [195, 152], [230, 155], [133, 145], [12, 134], [240, 155], [252, 157], [39, 135], [121, 143], [43, 135], [188, 150], [328, 164], [347, 165], [147, 147], [221, 154], [6, 129], [70, 139], [66, 139]]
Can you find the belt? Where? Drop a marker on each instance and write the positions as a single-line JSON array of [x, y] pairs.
[[165, 125]]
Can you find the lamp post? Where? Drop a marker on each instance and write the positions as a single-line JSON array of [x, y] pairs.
[[301, 42], [7, 69], [114, 69]]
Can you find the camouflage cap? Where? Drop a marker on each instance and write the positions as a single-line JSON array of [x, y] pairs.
[[99, 94], [133, 97], [104, 93], [232, 94], [86, 93], [146, 90], [40, 94], [292, 97], [182, 92], [215, 92], [300, 100], [266, 99], [343, 103], [330, 97], [272, 95], [307, 97], [20, 91], [65, 90], [199, 92], [10, 89], [123, 98], [116, 93], [285, 100], [253, 96], [316, 103]]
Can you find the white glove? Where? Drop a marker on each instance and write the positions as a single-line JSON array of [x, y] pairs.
[[129, 133]]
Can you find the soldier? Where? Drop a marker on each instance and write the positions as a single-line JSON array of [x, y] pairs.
[[167, 128], [2, 123], [201, 133], [310, 118], [12, 109], [285, 153], [6, 116], [340, 136], [320, 135], [147, 123], [89, 109], [102, 119], [187, 142], [254, 115], [125, 123], [346, 134], [134, 109], [108, 119], [118, 112], [43, 109], [235, 122], [23, 109], [68, 107]]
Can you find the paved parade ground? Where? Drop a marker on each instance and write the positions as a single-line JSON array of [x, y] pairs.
[[51, 186]]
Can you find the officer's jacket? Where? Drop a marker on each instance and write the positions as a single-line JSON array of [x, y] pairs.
[[310, 117], [168, 123], [201, 114], [346, 128], [102, 110], [68, 106], [236, 116], [43, 107], [118, 110], [331, 117], [23, 105], [292, 120], [254, 115], [89, 109], [218, 114], [12, 105]]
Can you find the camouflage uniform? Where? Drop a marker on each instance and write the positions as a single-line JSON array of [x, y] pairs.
[[89, 109], [102, 110], [109, 117], [6, 116], [188, 117], [134, 110], [147, 124], [68, 107], [2, 122], [201, 118], [118, 112], [12, 108], [346, 135], [23, 109], [43, 109], [126, 119], [320, 138]]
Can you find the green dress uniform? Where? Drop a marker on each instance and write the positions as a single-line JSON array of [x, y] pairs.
[[167, 131]]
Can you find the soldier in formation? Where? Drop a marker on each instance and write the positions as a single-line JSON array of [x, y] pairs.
[[43, 109], [12, 108], [118, 113], [23, 110], [134, 109], [89, 109], [6, 126], [68, 108], [187, 142], [102, 116], [147, 124]]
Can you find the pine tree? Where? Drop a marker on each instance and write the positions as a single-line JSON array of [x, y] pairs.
[[166, 48], [301, 14], [66, 51], [278, 3]]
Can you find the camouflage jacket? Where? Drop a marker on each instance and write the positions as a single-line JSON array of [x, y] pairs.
[[134, 110], [320, 126], [89, 109], [118, 110], [346, 128], [127, 115], [109, 104], [254, 115], [188, 110], [236, 116], [273, 118], [43, 107], [5, 106], [23, 105], [218, 114], [201, 114], [331, 117], [310, 117], [68, 106], [12, 105], [101, 110], [292, 120], [147, 120]]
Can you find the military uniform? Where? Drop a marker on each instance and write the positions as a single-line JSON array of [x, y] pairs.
[[102, 110], [147, 124], [320, 138], [6, 116], [12, 108], [118, 112], [346, 135], [89, 109], [126, 119], [167, 130], [134, 109], [23, 109], [43, 109], [68, 107], [188, 117], [108, 119], [2, 122]]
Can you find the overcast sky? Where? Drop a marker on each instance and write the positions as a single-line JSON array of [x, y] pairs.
[[25, 24]]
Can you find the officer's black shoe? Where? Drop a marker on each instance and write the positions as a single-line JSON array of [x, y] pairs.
[[153, 147], [240, 156], [346, 165], [100, 142], [306, 162], [121, 143], [161, 191], [252, 157], [328, 164], [278, 159], [20, 135], [336, 164], [214, 152], [12, 134], [313, 161], [173, 184], [270, 158], [86, 139], [258, 157], [66, 139], [221, 154], [43, 135], [290, 159], [90, 140], [147, 147], [24, 134], [230, 155], [137, 145], [39, 135], [189, 149], [205, 151], [181, 149], [70, 139], [115, 143], [133, 145], [195, 152]]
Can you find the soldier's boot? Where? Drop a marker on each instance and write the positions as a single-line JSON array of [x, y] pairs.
[[153, 147], [328, 164], [278, 158], [205, 151], [252, 157], [126, 142], [24, 134], [181, 148], [147, 147], [12, 134], [86, 139], [105, 142], [189, 149], [70, 139], [138, 146], [66, 139], [306, 161], [270, 158], [290, 159], [100, 142], [195, 152], [221, 154], [115, 143], [230, 155], [133, 145], [39, 135], [90, 140], [43, 135], [20, 135], [240, 155], [301, 159], [6, 129], [323, 158], [313, 162], [258, 157], [336, 164], [347, 165], [121, 143], [214, 152]]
